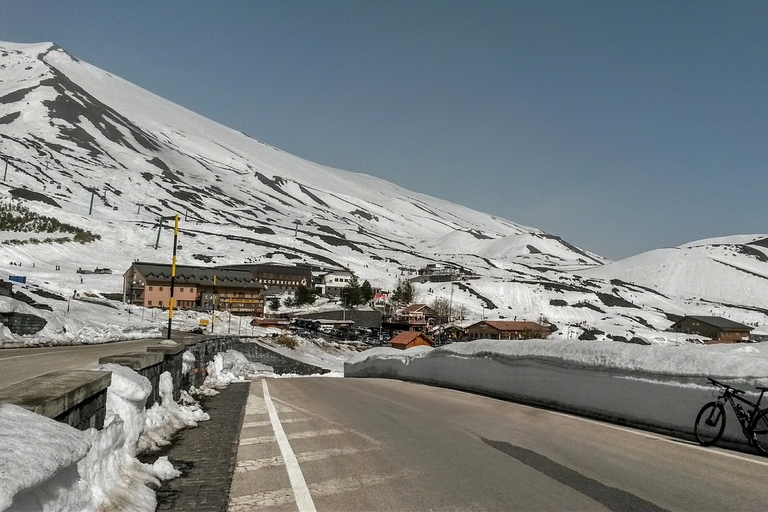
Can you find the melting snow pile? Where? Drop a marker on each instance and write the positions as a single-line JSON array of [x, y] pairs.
[[231, 366], [36, 450], [47, 465]]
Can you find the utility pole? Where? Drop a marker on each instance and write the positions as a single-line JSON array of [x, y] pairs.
[[6, 170], [159, 230], [213, 304], [90, 210], [173, 271]]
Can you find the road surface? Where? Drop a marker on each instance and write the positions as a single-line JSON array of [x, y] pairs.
[[19, 364], [377, 444]]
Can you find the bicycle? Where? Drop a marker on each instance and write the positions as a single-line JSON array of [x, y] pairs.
[[710, 422]]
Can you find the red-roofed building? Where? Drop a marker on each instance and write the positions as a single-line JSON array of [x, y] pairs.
[[507, 330], [408, 339], [417, 316]]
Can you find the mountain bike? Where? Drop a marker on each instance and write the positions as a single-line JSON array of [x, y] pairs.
[[710, 423]]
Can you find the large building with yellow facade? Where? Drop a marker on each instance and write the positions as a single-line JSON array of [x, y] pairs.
[[234, 290]]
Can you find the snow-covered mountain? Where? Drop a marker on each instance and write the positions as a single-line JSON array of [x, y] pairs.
[[102, 154], [68, 128], [730, 270]]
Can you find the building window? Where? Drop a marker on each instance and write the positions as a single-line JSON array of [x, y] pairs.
[[160, 303], [161, 289], [150, 289], [149, 303], [181, 289]]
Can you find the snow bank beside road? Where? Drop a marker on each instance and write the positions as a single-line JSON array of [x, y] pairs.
[[659, 388], [47, 465]]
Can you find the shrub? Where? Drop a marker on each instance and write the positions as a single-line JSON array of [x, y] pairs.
[[14, 216], [286, 341]]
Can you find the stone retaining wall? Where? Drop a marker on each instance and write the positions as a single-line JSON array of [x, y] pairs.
[[78, 398], [22, 323], [281, 364], [75, 397]]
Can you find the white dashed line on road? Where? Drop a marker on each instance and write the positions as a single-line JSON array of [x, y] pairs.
[[298, 484]]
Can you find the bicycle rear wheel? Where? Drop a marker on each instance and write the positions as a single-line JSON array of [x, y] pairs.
[[710, 424], [759, 430]]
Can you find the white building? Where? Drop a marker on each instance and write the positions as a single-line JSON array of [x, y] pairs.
[[332, 282]]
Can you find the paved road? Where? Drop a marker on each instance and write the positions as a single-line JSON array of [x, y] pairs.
[[19, 364], [374, 444]]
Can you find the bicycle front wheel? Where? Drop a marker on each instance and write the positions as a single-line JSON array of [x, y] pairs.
[[759, 431], [710, 424]]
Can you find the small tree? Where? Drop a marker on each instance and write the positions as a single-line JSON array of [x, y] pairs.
[[274, 304], [409, 293], [442, 309], [352, 295], [396, 297], [366, 292], [403, 295], [304, 295]]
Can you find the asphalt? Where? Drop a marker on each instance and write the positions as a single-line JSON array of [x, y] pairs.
[[206, 455]]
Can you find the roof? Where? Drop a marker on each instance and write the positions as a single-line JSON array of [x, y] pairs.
[[197, 275], [413, 308], [716, 321], [268, 267], [406, 337], [331, 321], [509, 325]]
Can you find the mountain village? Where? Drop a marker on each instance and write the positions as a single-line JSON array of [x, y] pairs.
[[257, 225]]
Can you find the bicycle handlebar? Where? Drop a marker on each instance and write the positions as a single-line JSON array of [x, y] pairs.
[[725, 386]]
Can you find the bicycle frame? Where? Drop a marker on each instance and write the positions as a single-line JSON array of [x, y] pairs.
[[711, 420], [731, 394]]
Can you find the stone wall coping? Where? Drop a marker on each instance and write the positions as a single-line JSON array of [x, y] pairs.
[[134, 360], [176, 348], [56, 392]]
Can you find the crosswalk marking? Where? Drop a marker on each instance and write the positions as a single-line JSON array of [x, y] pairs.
[[326, 488], [263, 413], [256, 405], [256, 464], [339, 485], [252, 502], [254, 424], [298, 435], [298, 484]]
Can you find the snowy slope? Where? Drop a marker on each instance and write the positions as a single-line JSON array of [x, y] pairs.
[[731, 270], [77, 127], [102, 154]]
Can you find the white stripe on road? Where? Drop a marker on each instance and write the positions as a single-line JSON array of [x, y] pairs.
[[352, 483], [280, 497], [259, 501], [298, 484], [254, 424], [256, 464], [297, 435]]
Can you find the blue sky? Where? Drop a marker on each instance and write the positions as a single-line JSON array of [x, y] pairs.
[[620, 126]]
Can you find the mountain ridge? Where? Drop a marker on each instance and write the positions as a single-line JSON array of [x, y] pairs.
[[109, 157]]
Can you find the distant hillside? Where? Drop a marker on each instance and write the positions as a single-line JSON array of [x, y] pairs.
[[103, 156], [731, 270]]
